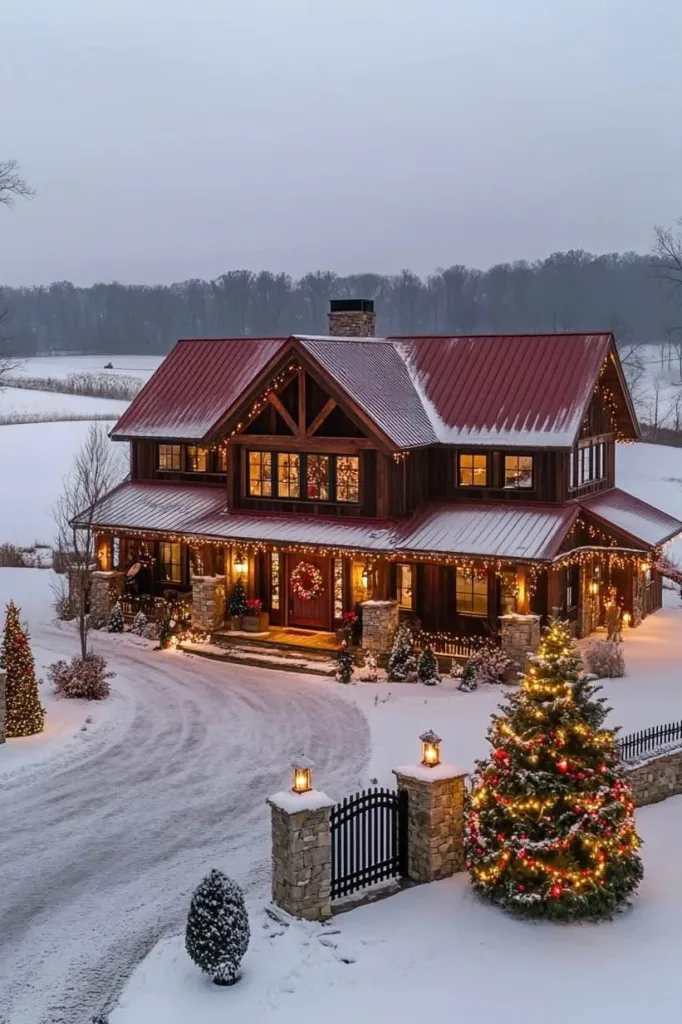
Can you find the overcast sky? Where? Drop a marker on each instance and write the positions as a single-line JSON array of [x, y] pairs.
[[169, 139]]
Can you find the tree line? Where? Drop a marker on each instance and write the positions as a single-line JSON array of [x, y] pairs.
[[569, 291]]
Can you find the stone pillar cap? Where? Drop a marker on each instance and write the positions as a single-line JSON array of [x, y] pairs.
[[438, 773], [294, 803]]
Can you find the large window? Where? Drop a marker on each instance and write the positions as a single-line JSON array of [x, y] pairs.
[[288, 475], [347, 478], [518, 471], [472, 592], [404, 585], [472, 470], [170, 457], [317, 477], [197, 459], [589, 465], [170, 561], [260, 474]]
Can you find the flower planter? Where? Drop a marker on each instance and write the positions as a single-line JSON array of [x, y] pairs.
[[256, 623], [235, 622]]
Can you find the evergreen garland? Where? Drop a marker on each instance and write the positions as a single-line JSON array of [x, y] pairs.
[[550, 828], [25, 714], [217, 934]]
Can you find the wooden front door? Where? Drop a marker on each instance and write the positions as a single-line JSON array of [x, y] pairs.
[[316, 613]]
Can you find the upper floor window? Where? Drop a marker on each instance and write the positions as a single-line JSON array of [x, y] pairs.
[[518, 471], [588, 465], [472, 592], [170, 457], [404, 585], [260, 474], [288, 475], [472, 470], [317, 477], [197, 459], [170, 561], [347, 478]]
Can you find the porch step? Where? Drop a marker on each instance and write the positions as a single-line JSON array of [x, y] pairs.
[[281, 648], [263, 658]]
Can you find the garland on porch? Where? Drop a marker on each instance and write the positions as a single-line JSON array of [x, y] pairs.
[[306, 582]]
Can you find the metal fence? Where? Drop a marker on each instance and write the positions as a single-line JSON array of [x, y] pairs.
[[648, 741], [457, 646], [369, 839]]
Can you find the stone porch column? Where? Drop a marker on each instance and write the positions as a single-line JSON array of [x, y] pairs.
[[302, 853], [379, 623], [520, 637], [105, 590], [208, 602], [3, 705], [435, 819]]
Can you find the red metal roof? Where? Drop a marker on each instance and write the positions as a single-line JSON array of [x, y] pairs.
[[632, 516], [520, 390]]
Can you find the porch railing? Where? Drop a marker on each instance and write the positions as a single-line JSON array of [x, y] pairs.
[[456, 646], [152, 606]]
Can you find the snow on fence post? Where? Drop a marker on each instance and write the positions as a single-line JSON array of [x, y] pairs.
[[435, 820], [302, 853], [3, 704]]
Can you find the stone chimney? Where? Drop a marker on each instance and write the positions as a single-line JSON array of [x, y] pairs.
[[352, 318]]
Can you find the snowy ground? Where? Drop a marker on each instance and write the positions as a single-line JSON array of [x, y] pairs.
[[20, 401], [61, 366]]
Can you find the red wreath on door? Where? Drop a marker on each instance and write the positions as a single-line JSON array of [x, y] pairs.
[[306, 582]]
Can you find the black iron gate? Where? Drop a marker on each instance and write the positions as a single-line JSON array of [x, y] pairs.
[[369, 839]]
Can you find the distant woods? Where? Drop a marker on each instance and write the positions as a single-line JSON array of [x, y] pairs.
[[569, 291]]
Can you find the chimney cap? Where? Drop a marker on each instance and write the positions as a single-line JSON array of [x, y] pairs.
[[351, 306]]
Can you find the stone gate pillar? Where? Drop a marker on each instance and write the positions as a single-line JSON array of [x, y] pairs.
[[379, 623], [302, 853], [435, 819], [520, 637], [106, 588], [208, 602]]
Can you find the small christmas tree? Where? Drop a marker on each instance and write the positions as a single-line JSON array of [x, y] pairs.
[[140, 623], [237, 604], [467, 679], [116, 623], [427, 667], [25, 713], [550, 828], [344, 664], [217, 934], [371, 673], [402, 662]]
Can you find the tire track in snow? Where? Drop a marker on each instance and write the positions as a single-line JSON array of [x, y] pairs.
[[110, 841]]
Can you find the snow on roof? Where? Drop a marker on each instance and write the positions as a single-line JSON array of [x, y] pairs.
[[632, 516]]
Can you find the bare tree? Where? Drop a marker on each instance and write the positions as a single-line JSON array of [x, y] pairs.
[[96, 469], [12, 186]]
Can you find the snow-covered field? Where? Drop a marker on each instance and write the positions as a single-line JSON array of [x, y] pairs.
[[61, 366], [19, 401]]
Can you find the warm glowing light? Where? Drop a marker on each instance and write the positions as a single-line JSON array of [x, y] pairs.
[[240, 564], [594, 588], [303, 775], [627, 618], [430, 748], [364, 578]]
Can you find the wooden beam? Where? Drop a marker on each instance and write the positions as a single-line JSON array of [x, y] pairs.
[[283, 443], [301, 401], [273, 399], [321, 417]]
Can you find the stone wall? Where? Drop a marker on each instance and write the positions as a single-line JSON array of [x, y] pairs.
[[302, 854], [435, 820], [379, 623], [3, 705], [657, 779], [105, 590], [208, 602], [353, 324], [520, 635]]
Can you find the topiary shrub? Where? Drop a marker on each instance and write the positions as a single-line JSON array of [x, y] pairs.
[[81, 678], [139, 625], [217, 934], [605, 659], [467, 678], [116, 623], [402, 663], [427, 667]]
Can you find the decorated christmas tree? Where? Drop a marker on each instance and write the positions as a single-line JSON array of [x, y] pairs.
[[427, 667], [217, 934], [402, 662], [237, 604], [116, 623], [344, 664], [550, 828], [25, 714]]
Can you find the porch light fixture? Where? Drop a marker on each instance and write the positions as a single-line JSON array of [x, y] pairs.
[[241, 565], [365, 575], [431, 742], [303, 775], [594, 589]]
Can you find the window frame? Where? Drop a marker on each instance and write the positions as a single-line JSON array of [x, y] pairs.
[[171, 562], [288, 455], [472, 469], [530, 486], [352, 500], [261, 454], [169, 450], [199, 451], [306, 485], [588, 464], [460, 576], [401, 588]]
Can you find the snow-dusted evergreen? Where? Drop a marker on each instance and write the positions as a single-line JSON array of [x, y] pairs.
[[467, 678], [344, 664], [217, 934], [140, 623], [402, 662], [116, 623], [489, 663], [605, 659], [427, 667], [371, 670]]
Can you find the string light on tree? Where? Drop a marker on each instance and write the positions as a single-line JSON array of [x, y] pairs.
[[25, 714]]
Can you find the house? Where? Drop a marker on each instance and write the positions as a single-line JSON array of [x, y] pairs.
[[460, 480]]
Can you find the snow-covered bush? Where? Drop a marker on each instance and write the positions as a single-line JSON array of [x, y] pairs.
[[344, 664], [402, 663], [371, 673], [116, 623], [490, 664], [85, 678], [217, 934], [427, 667], [151, 631], [467, 678], [604, 658], [140, 624]]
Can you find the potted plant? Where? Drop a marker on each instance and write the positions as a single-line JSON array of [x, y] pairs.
[[348, 626], [255, 620], [236, 608]]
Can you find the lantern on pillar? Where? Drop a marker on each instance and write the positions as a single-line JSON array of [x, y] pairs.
[[431, 742], [240, 564], [302, 775]]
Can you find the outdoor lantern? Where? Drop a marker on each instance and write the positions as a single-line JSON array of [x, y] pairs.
[[626, 618], [594, 589], [430, 749], [365, 575], [303, 775], [241, 564]]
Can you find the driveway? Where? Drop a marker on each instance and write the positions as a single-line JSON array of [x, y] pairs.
[[100, 851]]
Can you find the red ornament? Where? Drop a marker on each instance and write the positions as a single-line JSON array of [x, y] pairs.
[[501, 837], [501, 755], [555, 891], [562, 765], [521, 887]]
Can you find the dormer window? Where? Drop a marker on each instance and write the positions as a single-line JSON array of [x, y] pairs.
[[472, 470], [317, 477], [348, 478], [518, 471], [288, 475], [260, 474], [170, 457], [197, 459]]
